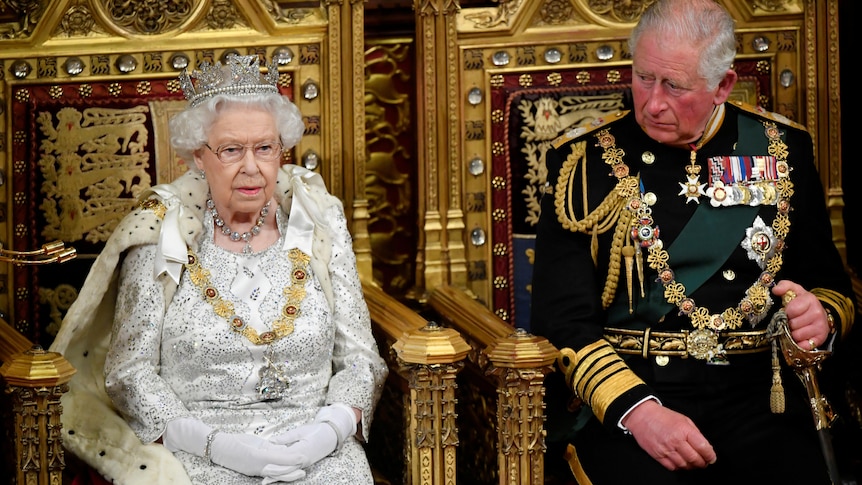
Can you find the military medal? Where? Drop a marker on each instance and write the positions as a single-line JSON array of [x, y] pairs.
[[760, 242], [692, 189], [743, 180]]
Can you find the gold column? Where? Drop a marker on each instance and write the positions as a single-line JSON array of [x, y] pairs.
[[455, 225], [823, 106], [346, 128], [441, 257], [36, 380], [519, 363], [432, 357]]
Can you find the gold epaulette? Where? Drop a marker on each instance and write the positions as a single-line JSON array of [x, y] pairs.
[[580, 130], [778, 118]]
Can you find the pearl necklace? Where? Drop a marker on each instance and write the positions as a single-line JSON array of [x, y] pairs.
[[236, 236]]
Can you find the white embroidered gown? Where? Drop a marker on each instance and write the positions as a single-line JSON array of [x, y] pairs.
[[176, 358]]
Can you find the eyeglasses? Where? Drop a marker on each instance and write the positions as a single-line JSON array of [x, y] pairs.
[[265, 151]]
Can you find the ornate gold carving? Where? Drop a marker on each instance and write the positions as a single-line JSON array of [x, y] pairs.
[[618, 12], [98, 148], [46, 67], [518, 365], [541, 121], [526, 56], [289, 15], [555, 12], [153, 62], [78, 22], [35, 382], [474, 59], [28, 13], [476, 202], [222, 15], [434, 356], [477, 270], [150, 17], [773, 6], [489, 18]]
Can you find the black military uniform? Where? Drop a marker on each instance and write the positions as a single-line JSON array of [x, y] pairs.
[[660, 287]]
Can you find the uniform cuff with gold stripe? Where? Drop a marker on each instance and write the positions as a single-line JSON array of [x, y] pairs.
[[839, 307], [599, 377]]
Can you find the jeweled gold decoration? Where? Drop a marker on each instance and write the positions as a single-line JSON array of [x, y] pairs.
[[282, 326]]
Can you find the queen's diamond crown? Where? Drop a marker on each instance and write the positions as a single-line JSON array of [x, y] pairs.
[[246, 79]]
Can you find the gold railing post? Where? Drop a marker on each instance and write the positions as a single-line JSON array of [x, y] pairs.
[[519, 363], [36, 380], [432, 356]]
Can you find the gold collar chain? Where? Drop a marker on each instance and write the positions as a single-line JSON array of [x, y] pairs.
[[757, 300], [283, 326]]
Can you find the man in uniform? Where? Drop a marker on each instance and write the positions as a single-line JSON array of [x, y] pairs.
[[669, 238]]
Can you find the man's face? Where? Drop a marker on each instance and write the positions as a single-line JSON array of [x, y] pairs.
[[672, 102]]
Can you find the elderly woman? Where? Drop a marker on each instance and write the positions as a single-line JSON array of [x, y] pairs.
[[241, 340]]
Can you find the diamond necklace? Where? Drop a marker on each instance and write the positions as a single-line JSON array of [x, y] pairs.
[[234, 235]]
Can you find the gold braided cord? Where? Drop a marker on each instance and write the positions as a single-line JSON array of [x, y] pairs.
[[619, 239], [611, 212], [603, 216]]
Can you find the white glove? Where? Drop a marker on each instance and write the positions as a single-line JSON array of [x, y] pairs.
[[186, 434], [268, 476], [249, 454], [310, 443], [245, 453]]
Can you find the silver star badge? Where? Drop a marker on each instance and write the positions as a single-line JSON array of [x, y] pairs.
[[759, 242]]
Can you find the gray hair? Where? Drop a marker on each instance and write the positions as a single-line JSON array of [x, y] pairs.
[[189, 128], [700, 23]]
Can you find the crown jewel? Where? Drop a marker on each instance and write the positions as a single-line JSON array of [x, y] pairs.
[[245, 79]]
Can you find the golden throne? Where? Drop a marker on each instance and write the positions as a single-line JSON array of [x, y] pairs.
[[432, 137]]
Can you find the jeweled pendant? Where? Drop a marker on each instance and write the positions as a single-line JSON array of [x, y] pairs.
[[273, 382], [702, 344]]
